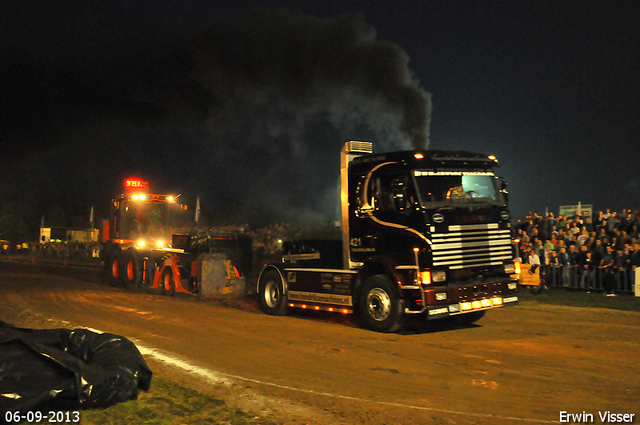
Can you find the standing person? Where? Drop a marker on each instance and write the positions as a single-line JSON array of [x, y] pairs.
[[597, 220], [554, 269], [534, 260], [536, 238], [582, 238], [574, 229], [574, 259], [547, 226], [607, 266], [634, 262], [545, 268], [623, 268], [565, 264], [598, 251], [586, 270]]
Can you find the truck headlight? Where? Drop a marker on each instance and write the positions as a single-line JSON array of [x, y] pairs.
[[510, 268], [439, 276]]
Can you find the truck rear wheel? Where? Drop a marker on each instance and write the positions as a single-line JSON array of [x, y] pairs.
[[115, 267], [167, 284], [132, 272], [380, 305], [273, 300]]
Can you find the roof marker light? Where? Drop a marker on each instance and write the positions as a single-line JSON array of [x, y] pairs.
[[418, 155]]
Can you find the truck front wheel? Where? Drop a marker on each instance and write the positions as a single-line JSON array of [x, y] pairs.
[[380, 306], [167, 284], [273, 300]]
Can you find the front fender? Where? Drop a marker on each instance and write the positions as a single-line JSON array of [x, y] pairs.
[[279, 270]]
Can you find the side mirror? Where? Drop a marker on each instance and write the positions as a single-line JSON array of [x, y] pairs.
[[503, 190], [399, 194]]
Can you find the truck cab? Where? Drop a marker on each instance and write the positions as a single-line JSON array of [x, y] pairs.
[[140, 222], [423, 232]]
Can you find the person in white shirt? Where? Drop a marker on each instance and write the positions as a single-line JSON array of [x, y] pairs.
[[534, 260]]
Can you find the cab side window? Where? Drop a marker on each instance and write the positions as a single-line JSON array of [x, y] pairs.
[[393, 194]]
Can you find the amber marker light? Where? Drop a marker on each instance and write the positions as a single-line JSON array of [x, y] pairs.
[[418, 155]]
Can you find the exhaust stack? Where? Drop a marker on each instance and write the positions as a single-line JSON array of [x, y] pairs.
[[350, 151]]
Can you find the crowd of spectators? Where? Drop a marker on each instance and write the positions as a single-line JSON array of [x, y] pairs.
[[582, 253], [65, 250]]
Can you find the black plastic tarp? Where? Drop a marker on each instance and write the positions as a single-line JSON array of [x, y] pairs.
[[62, 369]]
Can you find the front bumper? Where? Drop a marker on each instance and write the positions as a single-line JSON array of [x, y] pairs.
[[488, 303]]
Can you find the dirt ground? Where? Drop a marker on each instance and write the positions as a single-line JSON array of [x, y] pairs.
[[518, 364]]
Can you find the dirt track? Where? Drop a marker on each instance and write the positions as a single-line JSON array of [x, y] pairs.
[[524, 363]]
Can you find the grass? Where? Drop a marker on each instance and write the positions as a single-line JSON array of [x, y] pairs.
[[168, 403], [567, 297]]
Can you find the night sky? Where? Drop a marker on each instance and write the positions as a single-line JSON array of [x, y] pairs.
[[248, 104]]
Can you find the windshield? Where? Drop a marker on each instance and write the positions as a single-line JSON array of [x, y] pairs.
[[148, 220], [450, 187]]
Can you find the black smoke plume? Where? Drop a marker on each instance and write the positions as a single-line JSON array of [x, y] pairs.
[[250, 115], [309, 67]]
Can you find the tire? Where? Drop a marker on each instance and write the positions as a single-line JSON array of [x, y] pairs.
[[132, 270], [469, 318], [115, 267], [273, 300], [380, 306], [167, 283]]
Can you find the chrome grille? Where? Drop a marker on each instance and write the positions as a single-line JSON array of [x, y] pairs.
[[474, 245]]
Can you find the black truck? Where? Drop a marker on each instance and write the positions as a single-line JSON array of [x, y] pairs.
[[423, 232]]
